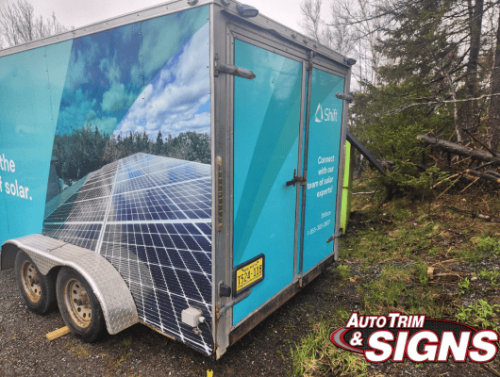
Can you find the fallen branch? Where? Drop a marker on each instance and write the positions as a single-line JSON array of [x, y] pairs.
[[493, 173], [446, 261], [488, 218], [470, 184], [480, 142], [444, 180], [364, 193], [484, 165], [450, 186], [461, 150], [487, 176]]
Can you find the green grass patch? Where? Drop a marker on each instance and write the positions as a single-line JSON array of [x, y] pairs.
[[402, 289], [421, 269], [316, 355], [488, 245], [479, 314], [491, 276], [465, 286], [127, 342], [343, 272]]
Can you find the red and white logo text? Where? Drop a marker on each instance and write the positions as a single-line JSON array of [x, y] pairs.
[[397, 337]]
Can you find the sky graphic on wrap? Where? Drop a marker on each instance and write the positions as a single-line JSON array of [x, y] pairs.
[[178, 98], [151, 66]]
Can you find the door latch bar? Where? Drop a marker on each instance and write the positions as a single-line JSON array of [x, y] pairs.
[[221, 67], [336, 235], [296, 179]]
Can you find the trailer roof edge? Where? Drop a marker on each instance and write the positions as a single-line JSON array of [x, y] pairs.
[[163, 9], [174, 6]]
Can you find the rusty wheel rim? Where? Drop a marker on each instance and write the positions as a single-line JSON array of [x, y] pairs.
[[77, 303], [31, 282]]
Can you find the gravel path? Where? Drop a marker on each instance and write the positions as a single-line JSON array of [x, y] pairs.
[[137, 351]]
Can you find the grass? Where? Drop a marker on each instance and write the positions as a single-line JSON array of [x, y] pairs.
[[343, 272], [464, 286], [82, 351], [421, 269], [122, 359], [479, 314], [127, 342], [316, 355], [491, 276], [401, 240], [488, 245]]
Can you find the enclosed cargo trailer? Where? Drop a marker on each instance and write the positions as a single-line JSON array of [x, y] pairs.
[[200, 234]]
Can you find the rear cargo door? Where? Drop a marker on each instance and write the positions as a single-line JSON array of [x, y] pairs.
[[267, 112], [321, 161]]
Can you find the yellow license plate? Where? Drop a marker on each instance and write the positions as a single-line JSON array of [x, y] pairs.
[[250, 274]]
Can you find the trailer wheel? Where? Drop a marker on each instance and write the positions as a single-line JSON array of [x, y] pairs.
[[79, 307], [37, 289]]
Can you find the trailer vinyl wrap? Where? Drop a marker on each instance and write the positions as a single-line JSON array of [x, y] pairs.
[[196, 151], [127, 79]]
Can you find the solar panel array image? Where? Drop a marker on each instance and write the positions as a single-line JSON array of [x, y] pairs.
[[150, 217]]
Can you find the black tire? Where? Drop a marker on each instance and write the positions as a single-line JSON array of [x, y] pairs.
[[37, 290], [89, 330]]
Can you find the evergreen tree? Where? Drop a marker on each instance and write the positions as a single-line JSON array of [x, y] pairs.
[[158, 150]]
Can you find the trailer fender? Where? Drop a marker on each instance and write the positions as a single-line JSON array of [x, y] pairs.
[[109, 287]]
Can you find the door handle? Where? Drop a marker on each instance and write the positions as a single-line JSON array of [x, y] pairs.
[[301, 180]]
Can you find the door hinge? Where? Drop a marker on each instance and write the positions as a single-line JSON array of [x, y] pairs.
[[220, 67], [296, 179]]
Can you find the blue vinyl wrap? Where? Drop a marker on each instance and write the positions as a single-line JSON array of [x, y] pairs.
[[266, 131], [323, 164], [149, 216], [31, 86]]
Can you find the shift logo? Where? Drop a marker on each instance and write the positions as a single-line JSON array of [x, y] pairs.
[[397, 337], [326, 115]]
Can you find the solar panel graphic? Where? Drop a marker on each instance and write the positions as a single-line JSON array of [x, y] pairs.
[[150, 217]]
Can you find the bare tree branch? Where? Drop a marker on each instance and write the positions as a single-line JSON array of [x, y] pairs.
[[437, 103], [18, 24]]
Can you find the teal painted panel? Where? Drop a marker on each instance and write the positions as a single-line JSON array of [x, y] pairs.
[[266, 130], [31, 85], [325, 125]]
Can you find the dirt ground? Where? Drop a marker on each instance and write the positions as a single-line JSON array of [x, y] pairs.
[[140, 351]]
